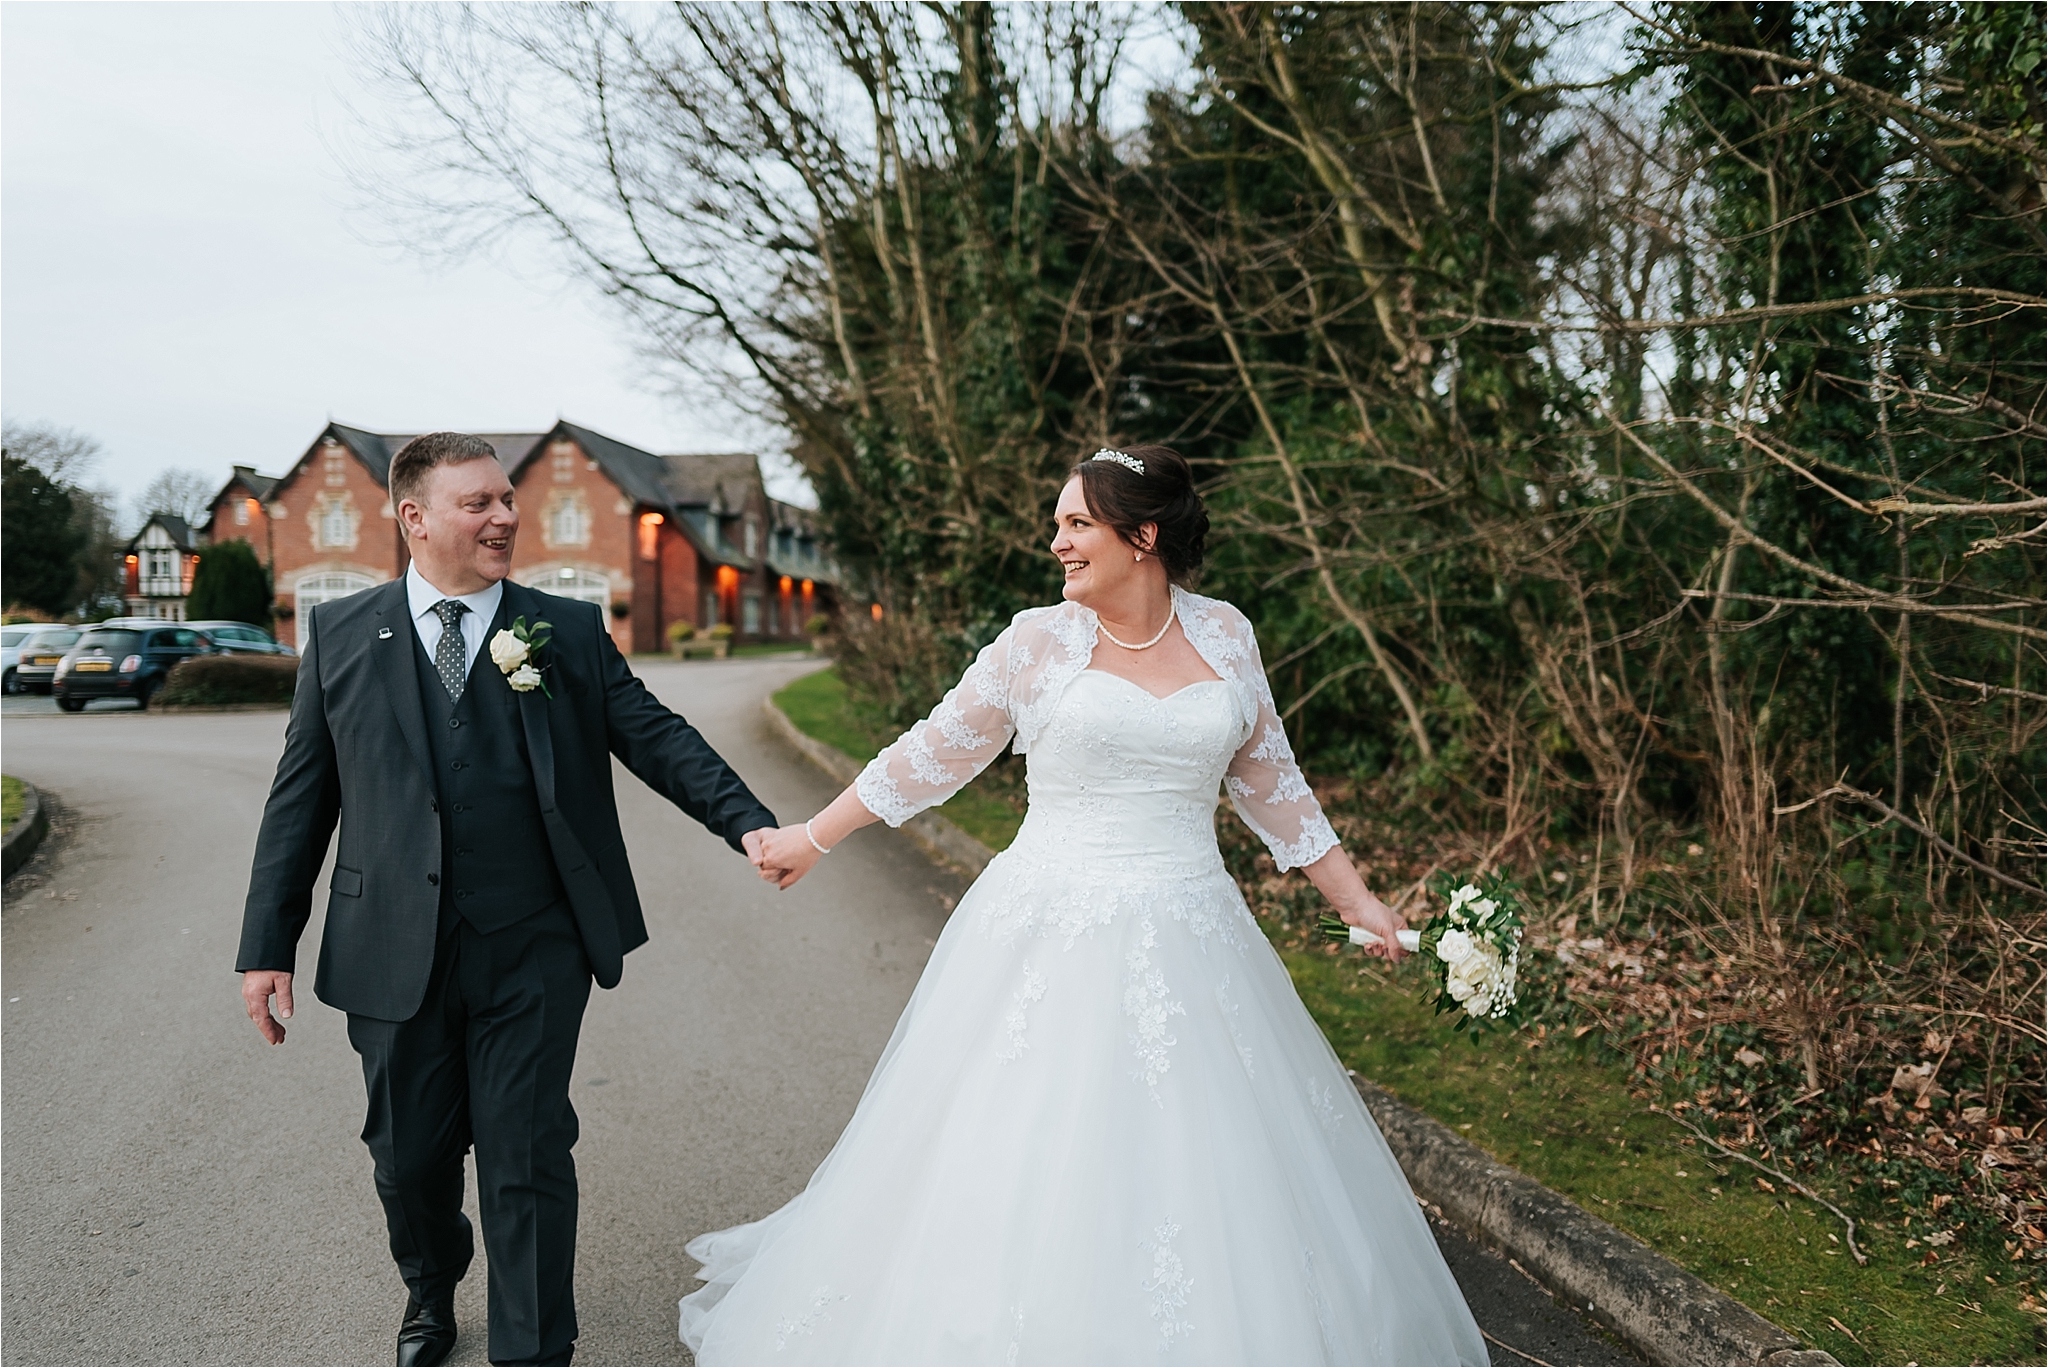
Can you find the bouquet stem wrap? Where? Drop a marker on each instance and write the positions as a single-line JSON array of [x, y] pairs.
[[1470, 950]]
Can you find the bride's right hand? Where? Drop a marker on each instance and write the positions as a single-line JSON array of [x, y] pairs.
[[785, 855]]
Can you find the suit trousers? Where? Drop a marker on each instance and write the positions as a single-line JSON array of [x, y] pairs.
[[486, 1061]]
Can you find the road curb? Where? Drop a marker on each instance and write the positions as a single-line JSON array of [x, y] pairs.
[[188, 708], [27, 832], [1657, 1308], [940, 838]]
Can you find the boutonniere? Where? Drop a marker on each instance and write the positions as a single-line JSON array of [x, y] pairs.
[[516, 651]]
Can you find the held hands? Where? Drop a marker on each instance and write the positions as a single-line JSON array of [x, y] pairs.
[[258, 985], [783, 855]]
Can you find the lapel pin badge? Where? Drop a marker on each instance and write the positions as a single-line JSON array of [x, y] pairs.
[[383, 634]]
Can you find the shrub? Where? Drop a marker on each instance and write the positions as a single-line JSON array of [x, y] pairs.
[[681, 630], [722, 632], [230, 585], [818, 625], [214, 680]]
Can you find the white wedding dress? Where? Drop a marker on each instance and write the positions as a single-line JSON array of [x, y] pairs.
[[1105, 1130]]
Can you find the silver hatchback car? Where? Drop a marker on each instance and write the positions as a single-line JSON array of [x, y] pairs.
[[40, 652]]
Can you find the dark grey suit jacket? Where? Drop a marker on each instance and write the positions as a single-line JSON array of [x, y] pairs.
[[356, 749]]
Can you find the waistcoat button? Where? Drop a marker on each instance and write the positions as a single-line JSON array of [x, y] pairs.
[[433, 878], [454, 721]]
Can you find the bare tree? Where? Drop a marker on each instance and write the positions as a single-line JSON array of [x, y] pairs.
[[62, 454], [180, 492]]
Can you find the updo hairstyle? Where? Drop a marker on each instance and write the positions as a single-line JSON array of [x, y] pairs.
[[1164, 495]]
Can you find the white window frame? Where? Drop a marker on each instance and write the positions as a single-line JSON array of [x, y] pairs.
[[323, 586], [569, 523]]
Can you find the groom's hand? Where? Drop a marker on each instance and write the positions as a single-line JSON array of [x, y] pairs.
[[258, 986], [786, 855]]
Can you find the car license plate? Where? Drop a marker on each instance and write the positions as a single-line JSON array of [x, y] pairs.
[[92, 667], [45, 660]]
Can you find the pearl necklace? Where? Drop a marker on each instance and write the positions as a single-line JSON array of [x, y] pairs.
[[1157, 637]]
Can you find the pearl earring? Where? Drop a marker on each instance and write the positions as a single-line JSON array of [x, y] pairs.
[[1140, 556]]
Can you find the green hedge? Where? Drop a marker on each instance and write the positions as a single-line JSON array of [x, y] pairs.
[[223, 679]]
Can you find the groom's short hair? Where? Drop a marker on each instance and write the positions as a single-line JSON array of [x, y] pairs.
[[409, 468]]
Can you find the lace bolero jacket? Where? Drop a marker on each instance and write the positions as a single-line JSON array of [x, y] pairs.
[[1013, 686]]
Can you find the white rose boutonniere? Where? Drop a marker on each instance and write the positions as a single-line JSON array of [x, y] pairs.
[[508, 652], [516, 651]]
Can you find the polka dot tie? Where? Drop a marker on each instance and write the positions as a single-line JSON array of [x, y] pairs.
[[451, 660]]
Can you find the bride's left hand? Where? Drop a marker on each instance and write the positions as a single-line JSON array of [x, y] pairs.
[[1337, 879], [1376, 917]]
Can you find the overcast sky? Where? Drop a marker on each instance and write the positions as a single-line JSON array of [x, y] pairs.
[[183, 274]]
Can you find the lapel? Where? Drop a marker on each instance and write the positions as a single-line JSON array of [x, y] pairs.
[[393, 644], [519, 601]]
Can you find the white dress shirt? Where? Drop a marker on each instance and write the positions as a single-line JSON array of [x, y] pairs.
[[421, 597]]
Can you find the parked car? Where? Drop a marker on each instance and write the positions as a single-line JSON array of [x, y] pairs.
[[39, 657], [11, 637], [242, 638], [125, 658]]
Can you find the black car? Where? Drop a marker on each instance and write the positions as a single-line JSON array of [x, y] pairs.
[[240, 638], [125, 661]]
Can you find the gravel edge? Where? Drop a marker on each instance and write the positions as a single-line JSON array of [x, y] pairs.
[[1657, 1308]]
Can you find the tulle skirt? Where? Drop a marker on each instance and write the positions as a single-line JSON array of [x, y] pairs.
[[1105, 1131]]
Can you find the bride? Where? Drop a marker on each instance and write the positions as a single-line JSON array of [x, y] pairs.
[[1105, 1130]]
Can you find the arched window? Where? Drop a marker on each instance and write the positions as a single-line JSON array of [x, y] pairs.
[[323, 588], [314, 590], [583, 585]]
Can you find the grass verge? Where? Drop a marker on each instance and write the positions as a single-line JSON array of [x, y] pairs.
[[1558, 1112], [1575, 1120], [11, 801]]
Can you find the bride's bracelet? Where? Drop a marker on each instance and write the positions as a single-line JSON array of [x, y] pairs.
[[822, 850]]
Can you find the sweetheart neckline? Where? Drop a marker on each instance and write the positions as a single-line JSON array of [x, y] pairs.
[[1156, 698]]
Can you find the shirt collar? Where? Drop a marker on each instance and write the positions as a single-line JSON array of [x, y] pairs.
[[421, 597]]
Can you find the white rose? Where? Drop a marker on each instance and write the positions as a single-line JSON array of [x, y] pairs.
[[1484, 907], [524, 678], [508, 652], [1463, 896], [1454, 946]]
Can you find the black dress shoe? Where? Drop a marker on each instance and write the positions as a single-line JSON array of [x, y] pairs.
[[427, 1336]]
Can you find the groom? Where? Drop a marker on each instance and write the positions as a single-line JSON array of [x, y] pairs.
[[480, 885]]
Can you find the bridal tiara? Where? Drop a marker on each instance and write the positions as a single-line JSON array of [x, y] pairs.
[[1122, 458]]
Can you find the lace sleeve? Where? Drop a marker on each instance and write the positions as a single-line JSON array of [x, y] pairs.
[[1266, 786], [923, 767]]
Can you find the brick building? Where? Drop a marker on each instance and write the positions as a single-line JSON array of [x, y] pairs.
[[651, 539]]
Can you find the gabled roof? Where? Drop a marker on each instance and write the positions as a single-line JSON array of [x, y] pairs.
[[711, 479], [806, 557], [375, 449], [259, 486], [637, 473], [175, 527], [646, 479]]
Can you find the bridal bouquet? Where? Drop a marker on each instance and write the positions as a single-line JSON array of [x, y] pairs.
[[1471, 948]]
